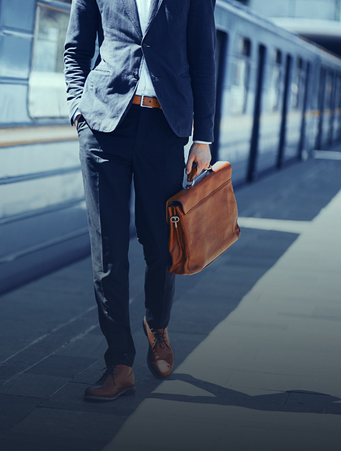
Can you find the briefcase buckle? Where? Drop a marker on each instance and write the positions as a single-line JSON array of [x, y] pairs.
[[175, 220]]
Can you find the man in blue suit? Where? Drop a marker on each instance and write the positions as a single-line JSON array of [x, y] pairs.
[[152, 85]]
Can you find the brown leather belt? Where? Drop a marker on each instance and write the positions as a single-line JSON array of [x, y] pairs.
[[149, 102]]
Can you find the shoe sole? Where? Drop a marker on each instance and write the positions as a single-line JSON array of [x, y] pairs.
[[125, 391], [151, 369]]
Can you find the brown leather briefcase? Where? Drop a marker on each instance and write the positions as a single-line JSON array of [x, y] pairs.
[[203, 221]]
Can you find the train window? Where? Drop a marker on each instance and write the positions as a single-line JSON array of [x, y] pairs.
[[46, 82], [240, 83], [297, 86], [275, 82], [315, 90]]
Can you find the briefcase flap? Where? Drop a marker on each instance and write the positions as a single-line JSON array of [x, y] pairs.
[[189, 198]]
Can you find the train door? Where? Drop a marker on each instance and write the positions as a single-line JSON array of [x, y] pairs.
[[282, 136], [252, 168], [270, 119], [332, 109], [294, 114], [235, 109], [326, 111], [302, 150], [221, 69], [336, 133], [313, 112], [320, 107]]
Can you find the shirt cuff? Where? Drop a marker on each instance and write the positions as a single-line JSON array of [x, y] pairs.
[[202, 142]]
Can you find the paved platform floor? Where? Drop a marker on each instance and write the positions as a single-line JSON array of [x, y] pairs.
[[256, 337]]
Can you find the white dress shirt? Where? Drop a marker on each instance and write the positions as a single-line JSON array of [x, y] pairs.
[[145, 85]]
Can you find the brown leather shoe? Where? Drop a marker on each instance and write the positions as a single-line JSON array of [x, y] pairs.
[[116, 381], [160, 357]]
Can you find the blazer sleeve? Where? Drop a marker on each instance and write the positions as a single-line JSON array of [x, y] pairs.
[[80, 45], [201, 38]]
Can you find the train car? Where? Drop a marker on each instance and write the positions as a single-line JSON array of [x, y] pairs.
[[278, 95], [278, 99], [42, 214]]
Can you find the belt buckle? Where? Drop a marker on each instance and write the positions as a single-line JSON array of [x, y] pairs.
[[141, 102]]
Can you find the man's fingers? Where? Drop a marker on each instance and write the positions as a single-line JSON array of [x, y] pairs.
[[200, 168], [200, 153], [189, 164], [202, 164]]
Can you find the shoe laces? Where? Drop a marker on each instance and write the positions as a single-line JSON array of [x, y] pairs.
[[159, 337], [111, 371]]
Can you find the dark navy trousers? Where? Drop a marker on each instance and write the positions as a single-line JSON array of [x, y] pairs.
[[143, 148]]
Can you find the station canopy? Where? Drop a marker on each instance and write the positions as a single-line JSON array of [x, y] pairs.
[[326, 33]]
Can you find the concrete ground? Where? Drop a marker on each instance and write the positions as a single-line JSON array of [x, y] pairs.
[[256, 337]]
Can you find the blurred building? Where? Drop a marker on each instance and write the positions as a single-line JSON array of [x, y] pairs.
[[316, 20]]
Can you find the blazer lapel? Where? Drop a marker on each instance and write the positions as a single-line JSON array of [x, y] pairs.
[[154, 9], [131, 8]]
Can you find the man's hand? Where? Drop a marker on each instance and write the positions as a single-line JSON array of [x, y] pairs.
[[201, 154]]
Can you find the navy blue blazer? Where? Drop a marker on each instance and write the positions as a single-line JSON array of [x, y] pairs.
[[178, 47]]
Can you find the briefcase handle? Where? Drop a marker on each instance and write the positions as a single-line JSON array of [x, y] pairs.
[[192, 180]]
